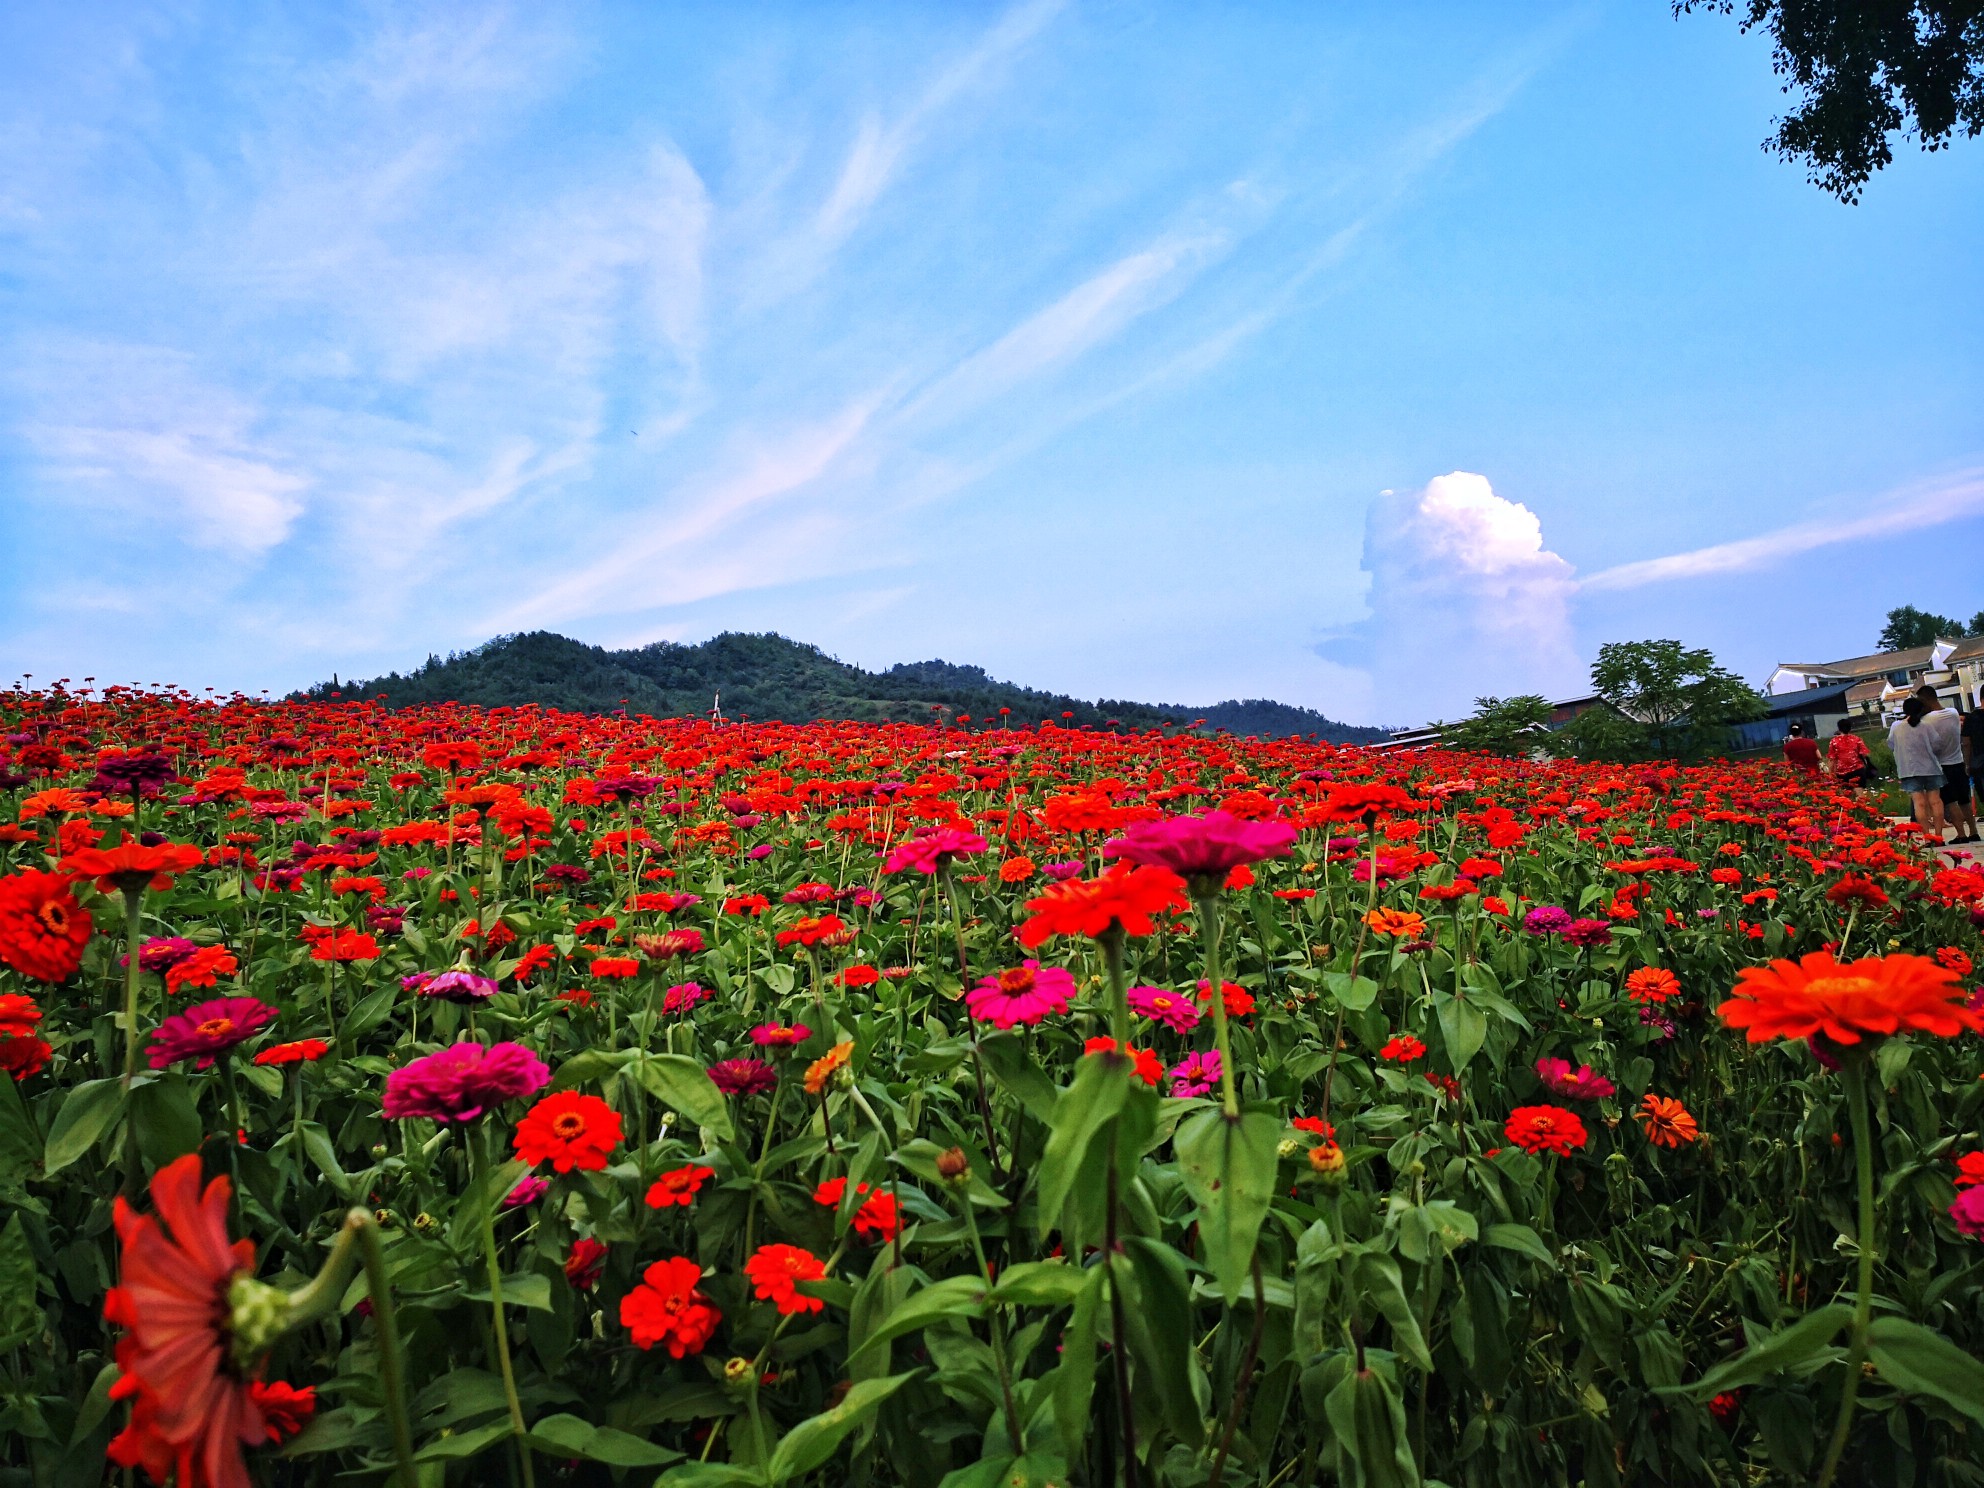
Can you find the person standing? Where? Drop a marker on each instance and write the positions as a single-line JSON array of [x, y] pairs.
[[1801, 750], [1946, 739], [1915, 764], [1847, 757], [1972, 737]]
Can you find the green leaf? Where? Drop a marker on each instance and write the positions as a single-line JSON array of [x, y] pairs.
[[709, 1475], [1162, 1343], [813, 1441], [570, 1436], [464, 1444], [1798, 1344], [1005, 1056], [1353, 994], [20, 1300], [955, 1296], [1917, 1361], [465, 1229], [168, 1122], [1464, 1026], [1229, 1169], [20, 1143], [1040, 1284], [1379, 1280], [369, 1014], [528, 1290], [85, 1116], [679, 1081], [1368, 1419], [1521, 1239], [1082, 1110], [1073, 1379], [592, 1064]]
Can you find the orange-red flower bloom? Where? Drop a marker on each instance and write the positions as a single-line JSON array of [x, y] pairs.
[[1125, 898], [1667, 1122], [678, 1186], [1396, 922], [1870, 998], [1545, 1129], [669, 1308], [131, 865], [42, 928], [827, 1066], [775, 1272], [568, 1130], [1652, 984], [191, 1411]]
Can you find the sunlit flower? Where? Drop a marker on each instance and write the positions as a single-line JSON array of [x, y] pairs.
[[1667, 1122], [1021, 994], [775, 1272], [1869, 998], [669, 1308], [568, 1130], [1545, 1129]]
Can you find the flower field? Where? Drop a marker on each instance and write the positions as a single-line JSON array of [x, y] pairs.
[[471, 1097]]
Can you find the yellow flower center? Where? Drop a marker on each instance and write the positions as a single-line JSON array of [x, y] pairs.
[[216, 1028], [1017, 979], [1835, 988]]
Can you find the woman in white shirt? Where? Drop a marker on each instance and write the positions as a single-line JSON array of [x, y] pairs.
[[1915, 762]]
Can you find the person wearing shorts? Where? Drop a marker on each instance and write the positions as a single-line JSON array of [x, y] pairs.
[[1915, 763], [1945, 738]]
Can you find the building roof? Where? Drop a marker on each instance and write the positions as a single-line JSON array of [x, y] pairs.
[[1868, 691], [1831, 698], [1865, 666], [1970, 649]]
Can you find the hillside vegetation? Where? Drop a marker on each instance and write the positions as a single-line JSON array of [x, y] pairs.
[[770, 677]]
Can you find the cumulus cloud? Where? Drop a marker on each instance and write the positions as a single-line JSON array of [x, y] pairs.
[[1465, 600]]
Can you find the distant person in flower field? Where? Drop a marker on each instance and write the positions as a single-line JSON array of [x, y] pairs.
[[1847, 756], [1946, 738], [1801, 750], [1971, 736], [1915, 763]]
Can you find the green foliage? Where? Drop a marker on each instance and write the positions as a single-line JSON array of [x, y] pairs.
[[1505, 726], [1909, 627], [768, 676], [1664, 701], [1867, 71]]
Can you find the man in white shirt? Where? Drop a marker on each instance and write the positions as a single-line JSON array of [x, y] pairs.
[[1944, 735]]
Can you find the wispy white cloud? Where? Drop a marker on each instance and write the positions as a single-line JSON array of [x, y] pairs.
[[1931, 504]]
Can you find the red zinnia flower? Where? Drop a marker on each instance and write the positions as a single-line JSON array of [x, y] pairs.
[[301, 1051], [130, 865], [191, 1413], [679, 1186], [669, 1308], [201, 969], [1124, 898], [1149, 1068], [345, 946], [1872, 997], [583, 1265], [42, 928], [776, 1270], [1403, 1048], [569, 1130], [1545, 1129]]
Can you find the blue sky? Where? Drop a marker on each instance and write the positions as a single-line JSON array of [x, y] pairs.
[[1358, 355]]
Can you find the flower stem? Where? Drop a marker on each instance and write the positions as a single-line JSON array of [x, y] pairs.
[[134, 898], [1111, 941], [1208, 908], [1855, 1077], [517, 1428]]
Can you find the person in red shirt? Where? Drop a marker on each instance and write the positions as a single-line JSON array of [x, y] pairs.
[[1847, 756], [1801, 750]]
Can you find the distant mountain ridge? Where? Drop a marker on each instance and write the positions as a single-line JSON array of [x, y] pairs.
[[770, 677]]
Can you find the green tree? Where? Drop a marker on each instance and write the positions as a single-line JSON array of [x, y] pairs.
[[1502, 725], [1866, 71], [1909, 627], [1664, 701], [1976, 624]]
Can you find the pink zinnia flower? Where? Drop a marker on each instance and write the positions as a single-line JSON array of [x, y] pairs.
[[684, 996], [1968, 1212], [929, 851], [1195, 1074], [1205, 848], [1546, 919], [778, 1036], [162, 953], [1169, 1008], [1580, 1084], [209, 1028], [462, 1081], [529, 1190], [1022, 994], [742, 1076], [454, 985]]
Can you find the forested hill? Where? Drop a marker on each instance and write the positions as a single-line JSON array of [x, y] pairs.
[[770, 677]]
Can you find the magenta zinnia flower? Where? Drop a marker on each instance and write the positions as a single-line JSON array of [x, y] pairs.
[[1588, 933], [1022, 994], [1546, 919], [742, 1076], [453, 985], [1203, 848], [529, 1190], [928, 851], [683, 996], [778, 1036], [209, 1028], [1968, 1212], [1580, 1084], [462, 1081], [1169, 1008], [1195, 1074], [162, 953]]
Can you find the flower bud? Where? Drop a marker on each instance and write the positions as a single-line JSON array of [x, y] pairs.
[[423, 1221], [1289, 1148], [257, 1315], [954, 1167], [1327, 1162], [737, 1371]]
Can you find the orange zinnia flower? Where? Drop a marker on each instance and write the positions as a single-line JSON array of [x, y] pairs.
[[1124, 898], [1872, 997], [826, 1066], [130, 865], [1652, 984], [1667, 1122], [1396, 922], [569, 1130]]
